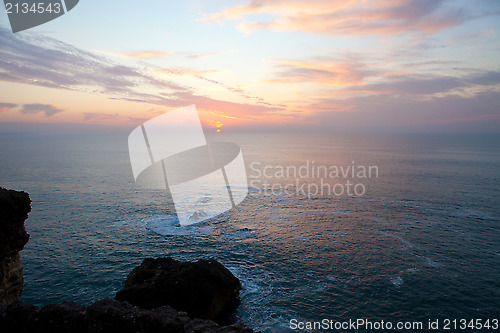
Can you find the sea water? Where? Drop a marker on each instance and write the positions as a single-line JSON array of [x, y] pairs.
[[421, 242]]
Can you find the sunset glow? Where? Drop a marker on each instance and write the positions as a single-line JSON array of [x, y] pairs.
[[276, 165], [351, 65]]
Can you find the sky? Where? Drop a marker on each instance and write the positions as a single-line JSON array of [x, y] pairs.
[[347, 65]]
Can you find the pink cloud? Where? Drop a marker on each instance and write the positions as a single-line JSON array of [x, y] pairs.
[[330, 72], [377, 17], [48, 109], [6, 106], [176, 71], [136, 55], [91, 116], [147, 54]]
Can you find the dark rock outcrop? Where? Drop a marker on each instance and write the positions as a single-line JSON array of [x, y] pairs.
[[104, 316], [204, 289], [161, 295], [14, 209]]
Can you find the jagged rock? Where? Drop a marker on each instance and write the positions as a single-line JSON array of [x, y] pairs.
[[14, 209], [107, 316], [61, 318], [121, 317], [204, 289], [18, 317]]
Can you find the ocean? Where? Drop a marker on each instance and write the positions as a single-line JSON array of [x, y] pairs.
[[414, 237]]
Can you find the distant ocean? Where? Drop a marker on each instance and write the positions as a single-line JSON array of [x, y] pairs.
[[421, 243]]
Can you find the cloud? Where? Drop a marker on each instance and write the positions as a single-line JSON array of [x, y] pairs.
[[388, 112], [431, 84], [136, 55], [47, 62], [240, 92], [344, 17], [137, 120], [321, 71], [210, 54], [98, 116], [406, 92], [7, 106], [176, 71], [147, 54], [202, 75], [484, 78], [44, 61], [48, 109]]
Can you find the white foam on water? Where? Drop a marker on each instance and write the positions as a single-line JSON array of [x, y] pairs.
[[380, 221], [299, 236], [411, 270], [278, 217], [401, 239], [432, 263], [332, 278], [257, 294], [168, 225], [397, 281], [460, 212], [428, 261], [471, 213], [284, 200]]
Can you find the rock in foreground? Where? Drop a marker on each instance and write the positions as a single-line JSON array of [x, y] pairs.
[[14, 209], [204, 289], [104, 316]]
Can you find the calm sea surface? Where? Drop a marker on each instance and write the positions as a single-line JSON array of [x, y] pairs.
[[421, 242]]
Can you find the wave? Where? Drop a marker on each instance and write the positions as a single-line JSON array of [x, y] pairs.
[[168, 225]]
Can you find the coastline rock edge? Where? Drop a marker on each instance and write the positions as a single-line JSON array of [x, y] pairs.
[[14, 209], [203, 289], [106, 315]]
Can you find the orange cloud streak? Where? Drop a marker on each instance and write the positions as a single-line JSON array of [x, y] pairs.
[[376, 17], [136, 55], [329, 73], [171, 71]]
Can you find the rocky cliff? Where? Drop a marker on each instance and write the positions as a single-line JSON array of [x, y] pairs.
[[14, 209], [104, 316], [160, 295], [204, 289]]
